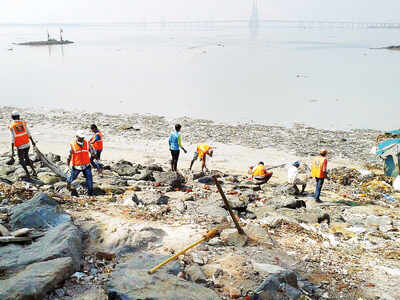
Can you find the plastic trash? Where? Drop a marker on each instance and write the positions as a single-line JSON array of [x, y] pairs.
[[396, 184], [387, 197]]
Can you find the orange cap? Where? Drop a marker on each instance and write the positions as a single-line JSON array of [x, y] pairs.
[[323, 152]]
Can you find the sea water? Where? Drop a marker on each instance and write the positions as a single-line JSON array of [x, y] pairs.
[[230, 72]]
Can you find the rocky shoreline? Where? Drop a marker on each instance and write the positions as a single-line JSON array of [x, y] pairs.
[[299, 140], [102, 247]]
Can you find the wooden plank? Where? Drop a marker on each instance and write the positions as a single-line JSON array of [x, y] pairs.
[[12, 239]]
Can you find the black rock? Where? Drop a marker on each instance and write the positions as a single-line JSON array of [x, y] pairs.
[[163, 200]]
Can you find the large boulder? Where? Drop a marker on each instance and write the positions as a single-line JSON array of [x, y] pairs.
[[145, 174], [125, 168], [172, 179], [119, 239], [37, 279], [271, 288], [61, 241], [132, 281], [49, 178], [41, 212]]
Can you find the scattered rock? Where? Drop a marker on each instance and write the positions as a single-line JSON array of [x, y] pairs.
[[131, 281], [172, 179], [163, 200], [37, 279], [196, 274], [231, 237], [41, 212]]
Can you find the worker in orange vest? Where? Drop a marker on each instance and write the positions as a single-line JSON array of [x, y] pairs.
[[260, 173], [96, 143], [79, 157], [319, 172], [20, 137], [202, 151]]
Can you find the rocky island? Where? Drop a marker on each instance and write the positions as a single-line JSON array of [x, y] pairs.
[[49, 42]]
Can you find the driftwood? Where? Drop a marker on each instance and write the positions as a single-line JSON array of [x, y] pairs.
[[50, 164], [21, 232], [4, 231], [20, 239]]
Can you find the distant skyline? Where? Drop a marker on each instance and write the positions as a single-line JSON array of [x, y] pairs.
[[74, 11]]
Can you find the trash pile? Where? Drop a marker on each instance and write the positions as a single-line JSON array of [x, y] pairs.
[[362, 185]]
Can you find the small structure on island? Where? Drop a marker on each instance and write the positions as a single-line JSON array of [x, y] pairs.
[[50, 41]]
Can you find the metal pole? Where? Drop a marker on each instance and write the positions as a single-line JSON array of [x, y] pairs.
[[239, 229]]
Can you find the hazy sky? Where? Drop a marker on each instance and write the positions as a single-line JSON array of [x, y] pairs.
[[42, 11]]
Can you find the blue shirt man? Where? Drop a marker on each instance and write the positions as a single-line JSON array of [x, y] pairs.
[[175, 144]]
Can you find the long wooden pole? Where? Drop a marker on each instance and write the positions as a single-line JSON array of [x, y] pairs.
[[228, 206]]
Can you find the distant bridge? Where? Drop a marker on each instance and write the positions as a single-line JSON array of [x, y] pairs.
[[255, 23]]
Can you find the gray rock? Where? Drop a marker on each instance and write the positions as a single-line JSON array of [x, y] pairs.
[[231, 237], [110, 189], [163, 200], [131, 199], [37, 279], [131, 281], [40, 212], [155, 167], [212, 210], [206, 180], [198, 175], [235, 202], [172, 179], [61, 241], [145, 174], [125, 168], [196, 274], [123, 239], [48, 178], [93, 293], [279, 286], [286, 203]]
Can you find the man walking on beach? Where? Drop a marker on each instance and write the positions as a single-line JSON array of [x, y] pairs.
[[260, 174], [175, 144], [96, 143], [20, 137], [319, 172], [201, 152], [80, 159]]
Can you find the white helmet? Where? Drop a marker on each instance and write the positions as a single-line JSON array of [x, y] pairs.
[[80, 134], [15, 114]]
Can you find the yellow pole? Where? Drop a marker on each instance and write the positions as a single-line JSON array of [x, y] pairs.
[[209, 235]]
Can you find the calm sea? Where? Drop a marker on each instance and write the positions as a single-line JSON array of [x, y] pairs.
[[323, 77]]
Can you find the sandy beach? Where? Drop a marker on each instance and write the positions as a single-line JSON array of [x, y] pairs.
[[144, 139]]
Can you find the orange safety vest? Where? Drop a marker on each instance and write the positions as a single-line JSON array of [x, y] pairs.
[[202, 149], [97, 145], [259, 171], [317, 169], [20, 133], [80, 155]]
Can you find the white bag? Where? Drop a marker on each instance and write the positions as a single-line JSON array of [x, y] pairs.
[[396, 184]]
